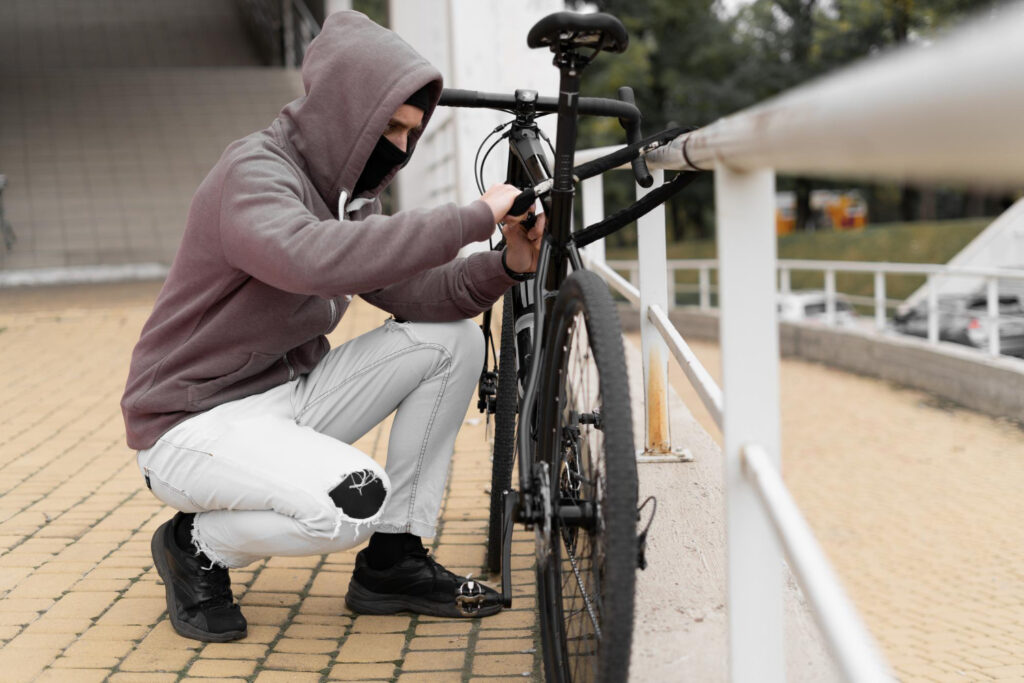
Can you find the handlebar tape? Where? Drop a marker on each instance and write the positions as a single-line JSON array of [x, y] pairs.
[[590, 106], [523, 202], [634, 133], [629, 214]]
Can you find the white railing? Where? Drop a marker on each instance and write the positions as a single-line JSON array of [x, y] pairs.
[[948, 112], [879, 301]]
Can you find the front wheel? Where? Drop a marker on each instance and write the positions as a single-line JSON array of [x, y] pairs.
[[586, 567]]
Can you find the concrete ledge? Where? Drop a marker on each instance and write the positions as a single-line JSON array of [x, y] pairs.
[[994, 386], [681, 626]]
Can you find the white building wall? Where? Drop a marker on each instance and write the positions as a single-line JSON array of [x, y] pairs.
[[477, 45]]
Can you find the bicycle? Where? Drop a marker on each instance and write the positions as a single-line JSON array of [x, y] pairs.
[[574, 438]]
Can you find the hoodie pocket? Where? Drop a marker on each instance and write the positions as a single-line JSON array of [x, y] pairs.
[[200, 395]]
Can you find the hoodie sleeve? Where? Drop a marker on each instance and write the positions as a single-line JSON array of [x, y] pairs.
[[267, 232], [457, 290]]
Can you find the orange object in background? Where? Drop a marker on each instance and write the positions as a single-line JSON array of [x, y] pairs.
[[830, 210]]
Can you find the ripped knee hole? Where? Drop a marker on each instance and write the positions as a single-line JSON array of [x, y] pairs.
[[360, 495]]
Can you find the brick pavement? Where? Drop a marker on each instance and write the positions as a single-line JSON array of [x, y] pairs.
[[80, 598]]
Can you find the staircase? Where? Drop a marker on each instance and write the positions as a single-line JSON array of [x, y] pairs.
[[111, 113]]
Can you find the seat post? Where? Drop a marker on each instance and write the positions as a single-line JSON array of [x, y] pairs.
[[569, 65]]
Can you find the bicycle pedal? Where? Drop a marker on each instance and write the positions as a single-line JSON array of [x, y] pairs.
[[469, 597]]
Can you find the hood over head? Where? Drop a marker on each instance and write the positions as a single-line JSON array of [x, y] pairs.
[[356, 74]]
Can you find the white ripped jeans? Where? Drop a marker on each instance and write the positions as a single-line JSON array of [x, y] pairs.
[[258, 471]]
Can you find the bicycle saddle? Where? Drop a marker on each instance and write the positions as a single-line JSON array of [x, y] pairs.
[[571, 30]]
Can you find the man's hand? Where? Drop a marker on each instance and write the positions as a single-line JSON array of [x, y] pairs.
[[522, 246], [500, 197]]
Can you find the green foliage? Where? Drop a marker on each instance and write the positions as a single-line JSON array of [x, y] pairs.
[[377, 10], [690, 64]]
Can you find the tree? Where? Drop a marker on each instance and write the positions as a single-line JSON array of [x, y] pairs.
[[690, 63]]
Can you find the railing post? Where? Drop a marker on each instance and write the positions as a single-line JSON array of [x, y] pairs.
[[671, 291], [784, 286], [933, 310], [993, 316], [704, 279], [879, 300], [592, 190], [653, 290], [830, 297], [745, 204]]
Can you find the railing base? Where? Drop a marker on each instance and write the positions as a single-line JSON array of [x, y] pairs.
[[675, 455]]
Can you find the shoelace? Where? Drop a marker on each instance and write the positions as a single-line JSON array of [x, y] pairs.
[[435, 566], [217, 582]]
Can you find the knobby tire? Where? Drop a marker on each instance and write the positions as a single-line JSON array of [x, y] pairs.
[[586, 576], [503, 454]]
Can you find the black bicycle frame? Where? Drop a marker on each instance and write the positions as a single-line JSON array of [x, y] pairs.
[[528, 162]]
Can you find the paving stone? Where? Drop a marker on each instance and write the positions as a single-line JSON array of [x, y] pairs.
[[236, 650], [432, 677], [305, 645], [502, 664], [286, 677], [314, 631], [439, 643], [156, 660], [448, 628], [222, 668], [509, 645], [367, 623], [76, 675], [351, 671], [143, 678], [360, 647], [445, 660], [296, 662]]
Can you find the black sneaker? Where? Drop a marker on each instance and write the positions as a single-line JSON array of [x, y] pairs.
[[199, 600], [418, 584]]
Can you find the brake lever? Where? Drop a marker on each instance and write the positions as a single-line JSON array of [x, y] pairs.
[[634, 134]]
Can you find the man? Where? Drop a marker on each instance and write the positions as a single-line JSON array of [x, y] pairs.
[[243, 417]]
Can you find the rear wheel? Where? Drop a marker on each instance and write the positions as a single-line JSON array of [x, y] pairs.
[[587, 555], [504, 432]]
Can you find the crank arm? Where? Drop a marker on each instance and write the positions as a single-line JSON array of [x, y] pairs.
[[510, 501]]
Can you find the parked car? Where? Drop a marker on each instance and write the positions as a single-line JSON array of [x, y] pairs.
[[810, 304], [963, 318]]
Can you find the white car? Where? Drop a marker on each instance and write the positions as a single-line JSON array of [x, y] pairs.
[[810, 304]]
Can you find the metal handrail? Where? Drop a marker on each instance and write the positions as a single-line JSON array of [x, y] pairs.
[[881, 304], [846, 637], [707, 389]]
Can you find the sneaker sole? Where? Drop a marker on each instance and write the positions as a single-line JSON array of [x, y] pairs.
[[363, 601], [183, 628]]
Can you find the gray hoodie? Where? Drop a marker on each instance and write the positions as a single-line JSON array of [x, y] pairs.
[[266, 268]]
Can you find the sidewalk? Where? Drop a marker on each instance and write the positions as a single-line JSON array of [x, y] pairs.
[[80, 598]]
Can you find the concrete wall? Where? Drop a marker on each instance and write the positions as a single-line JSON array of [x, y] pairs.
[[994, 386], [477, 45]]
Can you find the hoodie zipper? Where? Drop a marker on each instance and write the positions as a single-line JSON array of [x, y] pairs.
[[291, 370], [334, 314]]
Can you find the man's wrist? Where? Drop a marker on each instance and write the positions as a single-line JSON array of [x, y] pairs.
[[515, 275]]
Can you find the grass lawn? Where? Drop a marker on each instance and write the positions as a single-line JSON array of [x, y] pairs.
[[935, 242]]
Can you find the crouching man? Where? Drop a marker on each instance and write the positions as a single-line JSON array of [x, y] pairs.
[[242, 415]]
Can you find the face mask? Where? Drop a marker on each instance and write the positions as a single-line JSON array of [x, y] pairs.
[[384, 157]]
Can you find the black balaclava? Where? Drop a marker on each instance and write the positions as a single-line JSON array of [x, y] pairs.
[[385, 155]]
